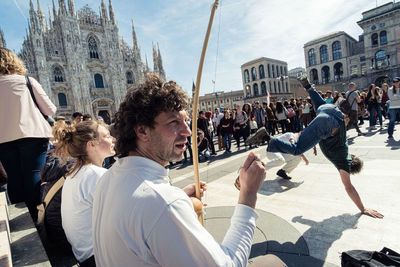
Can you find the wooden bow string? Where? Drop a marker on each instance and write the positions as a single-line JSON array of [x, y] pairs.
[[195, 110]]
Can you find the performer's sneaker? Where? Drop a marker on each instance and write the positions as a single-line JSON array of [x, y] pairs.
[[282, 173], [304, 81], [258, 137]]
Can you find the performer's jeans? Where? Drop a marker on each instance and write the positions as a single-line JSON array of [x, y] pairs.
[[22, 160], [392, 114], [319, 128]]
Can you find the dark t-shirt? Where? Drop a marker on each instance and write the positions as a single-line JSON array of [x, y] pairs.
[[226, 122], [336, 150]]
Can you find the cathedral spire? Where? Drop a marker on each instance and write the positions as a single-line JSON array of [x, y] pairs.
[[71, 7], [50, 20], [2, 40], [111, 10], [103, 11], [134, 38], [155, 60], [33, 17], [63, 8], [41, 17], [54, 10], [160, 64]]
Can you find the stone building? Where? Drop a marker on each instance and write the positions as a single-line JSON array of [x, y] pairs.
[[80, 59], [263, 75], [2, 40], [336, 59], [294, 85]]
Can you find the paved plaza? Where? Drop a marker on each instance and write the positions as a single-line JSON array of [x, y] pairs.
[[311, 214]]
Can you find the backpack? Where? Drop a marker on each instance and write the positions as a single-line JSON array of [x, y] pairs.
[[363, 258], [345, 105], [291, 113], [49, 222]]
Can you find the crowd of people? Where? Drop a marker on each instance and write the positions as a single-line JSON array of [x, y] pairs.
[[119, 211]]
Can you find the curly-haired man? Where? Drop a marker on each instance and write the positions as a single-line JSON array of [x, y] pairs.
[[139, 219]]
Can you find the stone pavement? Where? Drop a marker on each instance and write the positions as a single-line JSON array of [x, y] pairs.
[[311, 215]]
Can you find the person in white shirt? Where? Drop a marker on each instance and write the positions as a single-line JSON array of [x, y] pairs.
[[394, 107], [139, 218], [89, 142]]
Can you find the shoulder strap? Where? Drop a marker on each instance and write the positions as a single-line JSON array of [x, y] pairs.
[[353, 99], [28, 83], [49, 196]]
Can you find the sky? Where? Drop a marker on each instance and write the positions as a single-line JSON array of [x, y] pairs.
[[243, 30]]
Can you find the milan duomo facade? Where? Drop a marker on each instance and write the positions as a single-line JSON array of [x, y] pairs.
[[80, 60]]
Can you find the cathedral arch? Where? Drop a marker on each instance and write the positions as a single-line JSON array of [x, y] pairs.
[[92, 46], [58, 74], [98, 81]]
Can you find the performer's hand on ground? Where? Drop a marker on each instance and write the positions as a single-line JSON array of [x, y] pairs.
[[190, 190], [372, 213], [306, 161], [251, 177]]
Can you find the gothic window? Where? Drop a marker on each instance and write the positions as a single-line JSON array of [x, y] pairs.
[[263, 88], [93, 50], [253, 74], [374, 39], [261, 70], [338, 71], [98, 81], [323, 52], [381, 59], [336, 50], [129, 77], [58, 74], [312, 60], [255, 89], [383, 37], [246, 76], [269, 72], [62, 100], [314, 76], [325, 74]]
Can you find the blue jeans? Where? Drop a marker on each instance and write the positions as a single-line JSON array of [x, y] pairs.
[[392, 114], [227, 141], [372, 118], [320, 128], [22, 160]]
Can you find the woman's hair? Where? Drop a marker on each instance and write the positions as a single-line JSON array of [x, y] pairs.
[[10, 63], [248, 112], [371, 86], [385, 84], [279, 107], [71, 141]]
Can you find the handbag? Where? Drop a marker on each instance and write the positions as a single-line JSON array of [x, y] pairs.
[[49, 119], [361, 258]]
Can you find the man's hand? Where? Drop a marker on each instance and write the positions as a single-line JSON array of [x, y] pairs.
[[372, 213], [190, 190], [252, 175]]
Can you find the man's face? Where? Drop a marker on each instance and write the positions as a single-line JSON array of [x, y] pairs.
[[216, 111], [169, 137], [78, 119]]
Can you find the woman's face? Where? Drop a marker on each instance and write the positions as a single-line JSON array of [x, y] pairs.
[[105, 142]]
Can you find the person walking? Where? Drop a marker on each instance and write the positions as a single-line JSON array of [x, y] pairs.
[[353, 98], [394, 107], [25, 133]]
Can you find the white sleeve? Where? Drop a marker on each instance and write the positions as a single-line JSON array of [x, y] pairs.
[[178, 238], [46, 106]]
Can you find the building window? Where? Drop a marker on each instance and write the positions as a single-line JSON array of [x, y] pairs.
[[383, 37], [255, 89], [129, 77], [279, 87], [247, 90], [269, 71], [336, 50], [273, 71], [253, 74], [374, 39], [58, 74], [338, 71], [381, 59], [287, 87], [281, 71], [353, 70], [62, 100], [325, 73], [93, 50], [323, 53], [263, 88], [274, 86], [270, 86], [246, 76], [261, 71], [362, 59], [285, 71], [312, 60], [314, 76], [363, 69], [98, 81]]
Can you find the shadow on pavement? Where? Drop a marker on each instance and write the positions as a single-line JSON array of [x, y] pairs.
[[278, 185], [393, 144], [326, 231]]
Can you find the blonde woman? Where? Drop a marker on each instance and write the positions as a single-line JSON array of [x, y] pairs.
[[24, 134], [89, 143]]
